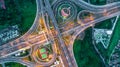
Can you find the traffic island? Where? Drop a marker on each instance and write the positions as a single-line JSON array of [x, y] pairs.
[[65, 11], [23, 53], [84, 17], [43, 55]]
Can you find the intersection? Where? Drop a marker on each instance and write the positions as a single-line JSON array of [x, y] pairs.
[[41, 33]]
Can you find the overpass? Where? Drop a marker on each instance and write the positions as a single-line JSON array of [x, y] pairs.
[[28, 40]]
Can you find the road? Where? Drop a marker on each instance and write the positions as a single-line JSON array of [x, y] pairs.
[[79, 29], [47, 31], [40, 39], [11, 59], [70, 60], [97, 18], [25, 41], [95, 8], [28, 40]]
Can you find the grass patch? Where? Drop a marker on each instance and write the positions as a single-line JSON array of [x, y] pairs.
[[85, 53], [18, 12], [13, 64], [106, 24], [115, 38], [113, 41], [98, 2], [29, 13], [0, 65]]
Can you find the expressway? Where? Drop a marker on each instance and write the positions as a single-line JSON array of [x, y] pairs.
[[39, 39], [70, 60], [17, 60], [98, 17], [95, 8], [27, 40], [77, 30], [49, 37], [95, 21], [30, 40]]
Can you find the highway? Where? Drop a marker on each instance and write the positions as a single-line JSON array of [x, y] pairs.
[[95, 8], [49, 35], [98, 17], [70, 60], [23, 45], [28, 40], [17, 60], [95, 21], [79, 29]]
